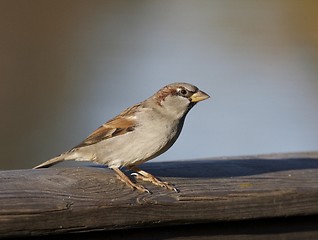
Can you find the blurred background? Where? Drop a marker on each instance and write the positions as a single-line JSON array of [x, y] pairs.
[[67, 66]]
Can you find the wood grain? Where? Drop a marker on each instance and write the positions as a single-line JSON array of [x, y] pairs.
[[80, 199]]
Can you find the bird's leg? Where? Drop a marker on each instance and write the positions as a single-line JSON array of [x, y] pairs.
[[128, 182], [145, 176]]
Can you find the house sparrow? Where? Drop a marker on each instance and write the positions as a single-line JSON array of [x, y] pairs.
[[138, 134]]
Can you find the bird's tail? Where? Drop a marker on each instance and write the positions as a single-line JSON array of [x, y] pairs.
[[51, 162]]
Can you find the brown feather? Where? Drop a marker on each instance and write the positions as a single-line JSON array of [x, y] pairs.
[[161, 95], [119, 125]]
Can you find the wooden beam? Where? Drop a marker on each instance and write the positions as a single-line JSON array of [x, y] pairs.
[[80, 199]]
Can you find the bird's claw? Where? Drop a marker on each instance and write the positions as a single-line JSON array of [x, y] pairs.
[[155, 181]]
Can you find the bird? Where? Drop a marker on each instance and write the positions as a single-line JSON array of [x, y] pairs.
[[138, 134]]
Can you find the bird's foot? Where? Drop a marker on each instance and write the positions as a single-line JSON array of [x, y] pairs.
[[122, 177], [145, 176]]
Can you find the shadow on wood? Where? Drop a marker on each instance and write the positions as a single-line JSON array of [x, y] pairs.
[[279, 228], [228, 167]]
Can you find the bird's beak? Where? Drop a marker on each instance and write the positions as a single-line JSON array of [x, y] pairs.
[[199, 96]]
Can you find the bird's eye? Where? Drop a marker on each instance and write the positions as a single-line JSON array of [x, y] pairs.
[[183, 92]]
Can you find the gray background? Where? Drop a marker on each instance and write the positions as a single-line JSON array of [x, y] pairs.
[[68, 66]]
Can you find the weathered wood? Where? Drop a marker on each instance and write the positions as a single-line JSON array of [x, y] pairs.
[[65, 200], [304, 228]]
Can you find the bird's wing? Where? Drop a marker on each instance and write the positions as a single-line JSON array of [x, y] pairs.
[[123, 123]]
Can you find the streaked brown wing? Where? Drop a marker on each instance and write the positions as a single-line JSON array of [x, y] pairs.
[[114, 127], [119, 125]]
